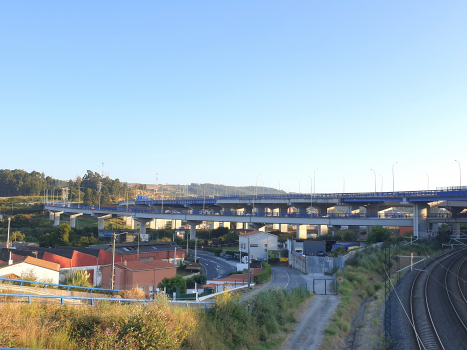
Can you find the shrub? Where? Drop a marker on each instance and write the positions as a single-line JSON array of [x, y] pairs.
[[174, 284], [77, 278], [134, 293], [264, 275]]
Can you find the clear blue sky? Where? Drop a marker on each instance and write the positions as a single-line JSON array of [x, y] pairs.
[[204, 90]]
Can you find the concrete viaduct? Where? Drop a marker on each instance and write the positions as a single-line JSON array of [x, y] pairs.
[[356, 209]]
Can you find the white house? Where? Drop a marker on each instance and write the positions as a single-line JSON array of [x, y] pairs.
[[45, 271], [260, 243]]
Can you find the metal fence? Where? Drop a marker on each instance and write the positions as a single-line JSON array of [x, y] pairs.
[[323, 264]]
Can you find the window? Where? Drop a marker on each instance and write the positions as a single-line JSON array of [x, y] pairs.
[[265, 245], [147, 258], [151, 290], [253, 245], [141, 288], [265, 250]]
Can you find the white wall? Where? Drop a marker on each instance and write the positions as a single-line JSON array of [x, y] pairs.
[[97, 273], [42, 274], [259, 244]]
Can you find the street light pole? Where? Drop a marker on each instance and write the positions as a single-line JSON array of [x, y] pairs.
[[460, 173], [375, 177], [113, 263], [393, 178], [311, 194], [314, 180], [249, 273], [254, 197]]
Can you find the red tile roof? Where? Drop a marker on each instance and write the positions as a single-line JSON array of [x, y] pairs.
[[42, 263], [146, 265], [251, 233]]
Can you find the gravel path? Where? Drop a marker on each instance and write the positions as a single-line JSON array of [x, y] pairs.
[[308, 333]]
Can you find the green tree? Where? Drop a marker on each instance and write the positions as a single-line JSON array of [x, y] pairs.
[[89, 198], [63, 234], [174, 284], [378, 234], [17, 236]]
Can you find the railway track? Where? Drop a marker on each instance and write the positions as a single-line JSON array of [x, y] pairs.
[[438, 306]]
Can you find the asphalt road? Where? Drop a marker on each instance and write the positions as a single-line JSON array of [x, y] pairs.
[[214, 266]]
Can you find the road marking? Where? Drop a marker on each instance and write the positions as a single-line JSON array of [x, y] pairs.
[[288, 280]]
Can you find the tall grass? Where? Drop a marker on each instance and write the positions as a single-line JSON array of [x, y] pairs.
[[231, 324]]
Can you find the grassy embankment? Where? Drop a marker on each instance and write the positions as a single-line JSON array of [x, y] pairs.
[[363, 276], [260, 324]]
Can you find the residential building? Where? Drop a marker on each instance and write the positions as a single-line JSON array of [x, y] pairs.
[[260, 243], [145, 275], [44, 271]]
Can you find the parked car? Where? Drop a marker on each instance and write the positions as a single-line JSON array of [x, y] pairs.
[[228, 257]]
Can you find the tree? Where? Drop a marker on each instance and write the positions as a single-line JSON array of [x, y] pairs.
[[174, 284], [63, 234], [89, 198], [378, 234], [17, 236]]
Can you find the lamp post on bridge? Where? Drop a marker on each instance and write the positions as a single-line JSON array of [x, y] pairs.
[[375, 177], [393, 178], [311, 194], [254, 197], [460, 173]]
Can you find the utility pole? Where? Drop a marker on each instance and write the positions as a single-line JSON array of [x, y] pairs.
[[100, 188], [249, 272], [8, 235], [113, 262]]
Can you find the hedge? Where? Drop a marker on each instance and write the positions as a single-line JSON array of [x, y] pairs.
[[264, 275]]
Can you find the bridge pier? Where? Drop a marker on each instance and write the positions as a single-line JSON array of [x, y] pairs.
[[57, 218], [152, 224], [193, 225], [420, 223], [258, 226], [176, 224], [301, 232], [101, 221], [51, 216], [73, 220], [215, 225], [322, 230], [142, 225], [334, 229], [239, 226]]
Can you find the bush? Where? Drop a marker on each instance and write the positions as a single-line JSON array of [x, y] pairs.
[[378, 234], [274, 260], [174, 284], [77, 278], [264, 275], [134, 293]]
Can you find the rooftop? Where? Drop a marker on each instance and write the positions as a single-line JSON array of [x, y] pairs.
[[36, 262], [146, 265], [252, 233]]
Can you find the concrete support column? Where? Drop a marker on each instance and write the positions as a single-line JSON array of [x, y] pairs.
[[134, 223], [301, 231], [372, 209], [57, 218], [73, 220], [227, 224], [420, 223], [160, 224], [215, 225], [260, 209], [193, 225], [239, 226], [322, 230], [51, 216], [101, 221], [176, 224], [302, 209], [245, 226], [152, 224], [258, 226], [334, 229], [456, 229]]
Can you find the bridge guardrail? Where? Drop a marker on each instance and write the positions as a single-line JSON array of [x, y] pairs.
[[230, 213]]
